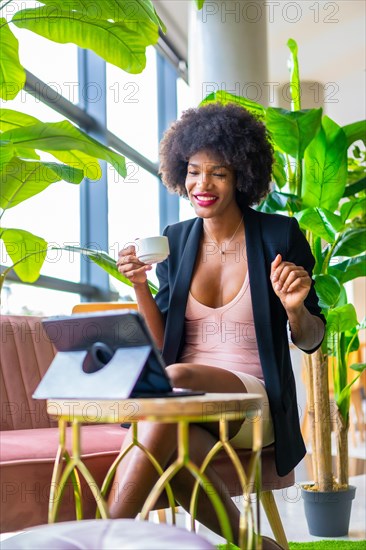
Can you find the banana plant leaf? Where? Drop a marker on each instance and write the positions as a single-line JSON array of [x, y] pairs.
[[27, 252], [355, 188], [115, 10], [7, 152], [293, 131], [349, 269], [352, 243], [294, 75], [21, 180], [105, 261], [328, 289], [341, 319], [355, 131], [325, 168], [10, 119], [199, 3], [353, 209], [321, 222], [12, 74], [68, 144], [276, 201], [121, 43], [221, 96], [343, 400]]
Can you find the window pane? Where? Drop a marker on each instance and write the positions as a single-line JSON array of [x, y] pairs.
[[183, 96], [132, 106], [53, 63], [18, 299], [53, 215], [133, 212]]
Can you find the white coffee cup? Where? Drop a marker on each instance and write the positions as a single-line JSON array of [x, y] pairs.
[[152, 250]]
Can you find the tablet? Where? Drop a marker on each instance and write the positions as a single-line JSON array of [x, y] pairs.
[[105, 355]]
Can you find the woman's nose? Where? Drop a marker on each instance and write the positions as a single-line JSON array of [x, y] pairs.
[[202, 179]]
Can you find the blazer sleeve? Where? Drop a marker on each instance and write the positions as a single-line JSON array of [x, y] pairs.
[[162, 298], [299, 252]]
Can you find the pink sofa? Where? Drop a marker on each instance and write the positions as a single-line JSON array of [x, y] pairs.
[[29, 439]]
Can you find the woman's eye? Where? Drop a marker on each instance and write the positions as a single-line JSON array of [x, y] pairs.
[[219, 175], [191, 173]]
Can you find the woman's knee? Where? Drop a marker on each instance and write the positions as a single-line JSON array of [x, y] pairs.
[[181, 375]]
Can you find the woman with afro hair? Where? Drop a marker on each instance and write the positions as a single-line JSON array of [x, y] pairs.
[[234, 281]]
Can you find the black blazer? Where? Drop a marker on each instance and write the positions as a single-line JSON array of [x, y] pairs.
[[266, 235]]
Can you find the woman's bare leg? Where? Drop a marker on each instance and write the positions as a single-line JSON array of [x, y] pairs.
[[136, 476]]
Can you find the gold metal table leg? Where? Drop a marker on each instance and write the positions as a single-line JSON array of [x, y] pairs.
[[249, 538], [135, 443], [72, 464], [181, 462]]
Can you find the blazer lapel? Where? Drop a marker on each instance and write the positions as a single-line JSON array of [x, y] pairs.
[[176, 314], [259, 289]]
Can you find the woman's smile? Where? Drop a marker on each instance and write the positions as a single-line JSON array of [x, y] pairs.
[[210, 184]]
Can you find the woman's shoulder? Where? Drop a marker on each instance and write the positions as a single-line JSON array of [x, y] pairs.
[[269, 221]]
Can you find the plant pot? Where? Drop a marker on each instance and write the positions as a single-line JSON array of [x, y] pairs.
[[328, 513]]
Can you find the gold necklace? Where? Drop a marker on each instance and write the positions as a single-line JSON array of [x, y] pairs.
[[222, 252]]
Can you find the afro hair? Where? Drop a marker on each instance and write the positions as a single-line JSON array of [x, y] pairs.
[[230, 132]]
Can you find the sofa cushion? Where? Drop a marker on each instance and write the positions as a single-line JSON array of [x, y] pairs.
[[27, 458]]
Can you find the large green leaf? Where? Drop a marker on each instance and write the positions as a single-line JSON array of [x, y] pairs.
[[328, 290], [295, 76], [325, 169], [276, 201], [14, 119], [341, 319], [12, 74], [21, 180], [355, 188], [111, 10], [7, 152], [355, 131], [321, 222], [343, 400], [27, 252], [221, 96], [278, 169], [353, 209], [352, 243], [122, 43], [55, 137], [349, 269], [293, 131], [105, 261]]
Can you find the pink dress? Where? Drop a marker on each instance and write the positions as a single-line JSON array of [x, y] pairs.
[[225, 337]]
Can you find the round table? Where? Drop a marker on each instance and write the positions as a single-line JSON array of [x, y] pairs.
[[214, 407]]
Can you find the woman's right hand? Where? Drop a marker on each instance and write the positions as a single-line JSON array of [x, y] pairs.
[[130, 266]]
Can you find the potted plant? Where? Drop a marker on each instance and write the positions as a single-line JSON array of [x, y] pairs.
[[316, 182], [109, 32]]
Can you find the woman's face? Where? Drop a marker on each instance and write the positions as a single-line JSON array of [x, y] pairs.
[[210, 184]]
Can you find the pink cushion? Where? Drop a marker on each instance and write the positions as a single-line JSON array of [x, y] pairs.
[[27, 458]]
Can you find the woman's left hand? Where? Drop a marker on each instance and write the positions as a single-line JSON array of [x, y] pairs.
[[290, 282]]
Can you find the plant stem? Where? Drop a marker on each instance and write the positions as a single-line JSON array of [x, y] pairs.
[[310, 400], [328, 256], [322, 421], [342, 449], [298, 175]]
